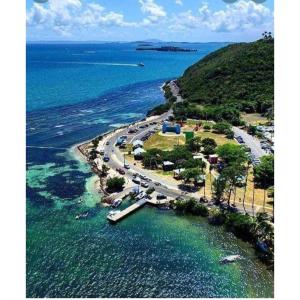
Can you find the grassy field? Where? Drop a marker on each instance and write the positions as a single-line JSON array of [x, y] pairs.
[[219, 138], [164, 142], [168, 142], [254, 119], [258, 193]]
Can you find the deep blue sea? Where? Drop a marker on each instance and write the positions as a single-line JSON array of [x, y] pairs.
[[78, 91]]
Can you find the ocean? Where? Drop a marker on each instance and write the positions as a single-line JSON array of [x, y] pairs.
[[78, 91]]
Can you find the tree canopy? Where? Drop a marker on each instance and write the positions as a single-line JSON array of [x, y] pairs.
[[264, 172], [232, 154], [115, 184], [241, 74]]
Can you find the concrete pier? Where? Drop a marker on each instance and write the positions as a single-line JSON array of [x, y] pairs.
[[117, 217]]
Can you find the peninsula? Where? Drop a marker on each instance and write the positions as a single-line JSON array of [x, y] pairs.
[[218, 165]]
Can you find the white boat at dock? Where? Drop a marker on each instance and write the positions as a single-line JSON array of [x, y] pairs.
[[116, 203]]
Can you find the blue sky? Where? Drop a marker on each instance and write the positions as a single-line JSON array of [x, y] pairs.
[[130, 20]]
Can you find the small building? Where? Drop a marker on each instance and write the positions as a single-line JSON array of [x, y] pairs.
[[177, 173], [213, 159], [189, 135], [137, 144], [169, 127], [200, 179], [138, 153], [168, 166], [199, 156]]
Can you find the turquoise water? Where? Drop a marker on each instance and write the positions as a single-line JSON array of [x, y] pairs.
[[151, 253], [69, 73]]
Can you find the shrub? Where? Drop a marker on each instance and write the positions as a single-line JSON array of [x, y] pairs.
[[216, 217], [264, 172], [230, 134], [115, 184], [150, 190], [222, 127], [207, 127], [200, 210], [252, 129], [242, 225]]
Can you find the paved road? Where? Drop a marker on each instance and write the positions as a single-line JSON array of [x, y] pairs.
[[166, 188], [251, 142], [175, 90]]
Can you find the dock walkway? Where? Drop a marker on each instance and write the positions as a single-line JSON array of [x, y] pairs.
[[127, 211], [122, 214]]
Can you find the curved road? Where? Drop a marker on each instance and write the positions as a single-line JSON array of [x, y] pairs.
[[164, 187]]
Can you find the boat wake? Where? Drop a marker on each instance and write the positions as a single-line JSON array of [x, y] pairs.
[[90, 63], [45, 147]]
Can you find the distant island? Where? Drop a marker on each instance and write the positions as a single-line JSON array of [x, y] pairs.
[[167, 49]]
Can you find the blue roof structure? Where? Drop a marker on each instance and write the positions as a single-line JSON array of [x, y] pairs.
[[169, 127]]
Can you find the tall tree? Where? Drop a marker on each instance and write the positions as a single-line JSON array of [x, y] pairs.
[[246, 184]]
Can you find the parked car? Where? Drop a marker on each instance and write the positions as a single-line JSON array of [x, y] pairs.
[[144, 184], [123, 145], [157, 183], [106, 158], [232, 208], [107, 143], [255, 161], [240, 140], [161, 197], [121, 171], [126, 166], [136, 180]]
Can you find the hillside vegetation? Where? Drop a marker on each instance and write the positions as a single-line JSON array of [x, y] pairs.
[[239, 77]]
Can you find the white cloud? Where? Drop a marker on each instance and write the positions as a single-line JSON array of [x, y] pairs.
[[154, 11], [68, 16], [240, 15], [64, 15], [237, 16]]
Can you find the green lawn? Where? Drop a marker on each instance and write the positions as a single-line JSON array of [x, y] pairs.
[[219, 138], [164, 142], [254, 119]]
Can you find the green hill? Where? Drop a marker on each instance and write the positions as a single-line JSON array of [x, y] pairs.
[[239, 75]]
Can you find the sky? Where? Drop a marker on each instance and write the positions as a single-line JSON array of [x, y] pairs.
[[132, 20]]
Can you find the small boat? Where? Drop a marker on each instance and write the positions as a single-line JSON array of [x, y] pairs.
[[113, 212], [164, 208], [116, 203], [230, 259], [141, 64], [82, 216]]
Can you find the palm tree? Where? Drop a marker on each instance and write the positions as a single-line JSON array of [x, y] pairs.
[[203, 173], [211, 185], [234, 195], [253, 199], [246, 184]]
